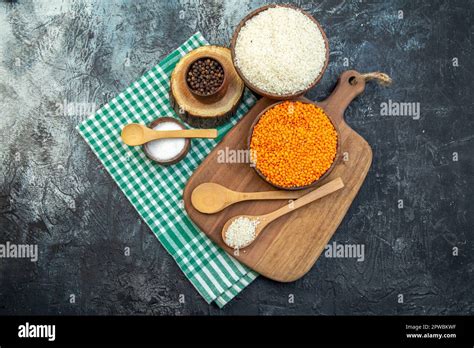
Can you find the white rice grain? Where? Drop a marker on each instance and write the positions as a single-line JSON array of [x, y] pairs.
[[280, 50], [241, 232]]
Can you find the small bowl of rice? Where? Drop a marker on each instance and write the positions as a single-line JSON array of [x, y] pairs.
[[280, 51]]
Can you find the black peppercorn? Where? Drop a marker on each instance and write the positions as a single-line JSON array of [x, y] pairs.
[[205, 76]]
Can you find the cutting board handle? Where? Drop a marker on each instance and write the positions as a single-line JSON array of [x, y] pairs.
[[349, 85]]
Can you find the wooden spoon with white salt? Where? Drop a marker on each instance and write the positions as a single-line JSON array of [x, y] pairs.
[[242, 230]]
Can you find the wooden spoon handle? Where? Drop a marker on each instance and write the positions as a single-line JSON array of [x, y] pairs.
[[267, 195], [318, 193], [185, 133]]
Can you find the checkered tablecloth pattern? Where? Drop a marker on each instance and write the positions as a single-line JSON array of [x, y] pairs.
[[156, 191]]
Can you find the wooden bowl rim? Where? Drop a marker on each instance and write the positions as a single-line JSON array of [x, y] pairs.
[[259, 90], [322, 177], [218, 90], [179, 156]]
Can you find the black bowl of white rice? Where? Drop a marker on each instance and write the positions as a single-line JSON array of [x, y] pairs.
[[280, 51]]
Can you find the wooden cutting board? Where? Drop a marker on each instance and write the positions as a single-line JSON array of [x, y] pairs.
[[289, 246]]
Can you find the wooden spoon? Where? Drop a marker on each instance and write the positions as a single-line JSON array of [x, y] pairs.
[[264, 220], [134, 134], [209, 198]]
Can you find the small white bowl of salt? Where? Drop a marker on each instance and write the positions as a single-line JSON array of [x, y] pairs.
[[169, 150]]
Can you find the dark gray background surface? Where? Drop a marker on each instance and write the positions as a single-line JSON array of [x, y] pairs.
[[54, 192]]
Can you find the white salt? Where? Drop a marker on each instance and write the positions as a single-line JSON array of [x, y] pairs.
[[168, 148], [241, 232], [280, 50]]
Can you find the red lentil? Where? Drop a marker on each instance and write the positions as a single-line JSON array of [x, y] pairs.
[[294, 144]]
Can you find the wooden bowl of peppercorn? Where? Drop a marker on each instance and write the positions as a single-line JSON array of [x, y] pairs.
[[206, 79], [200, 109]]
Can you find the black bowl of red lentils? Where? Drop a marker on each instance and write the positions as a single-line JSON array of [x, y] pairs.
[[206, 77], [293, 144]]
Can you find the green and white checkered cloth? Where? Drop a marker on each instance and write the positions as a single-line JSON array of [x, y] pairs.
[[156, 191]]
